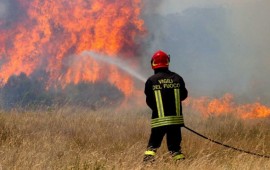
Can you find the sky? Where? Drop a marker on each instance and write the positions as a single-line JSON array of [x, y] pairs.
[[217, 46]]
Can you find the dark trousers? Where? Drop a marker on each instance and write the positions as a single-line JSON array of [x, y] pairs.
[[173, 136]]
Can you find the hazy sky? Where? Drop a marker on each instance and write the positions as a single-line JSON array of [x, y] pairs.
[[218, 46]]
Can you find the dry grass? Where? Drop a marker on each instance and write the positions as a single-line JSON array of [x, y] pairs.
[[75, 138]]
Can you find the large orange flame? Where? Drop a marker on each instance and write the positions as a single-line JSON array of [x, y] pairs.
[[226, 105], [49, 33]]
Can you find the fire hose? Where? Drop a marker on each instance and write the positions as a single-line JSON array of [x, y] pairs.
[[227, 146]]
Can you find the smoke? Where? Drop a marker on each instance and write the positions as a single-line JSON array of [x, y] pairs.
[[251, 25], [3, 10], [217, 46], [10, 13]]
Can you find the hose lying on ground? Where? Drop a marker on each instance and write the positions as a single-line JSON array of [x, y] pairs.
[[231, 147]]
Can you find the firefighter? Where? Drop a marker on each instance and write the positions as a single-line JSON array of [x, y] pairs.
[[164, 92]]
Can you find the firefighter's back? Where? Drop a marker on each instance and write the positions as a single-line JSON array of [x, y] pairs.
[[166, 91]]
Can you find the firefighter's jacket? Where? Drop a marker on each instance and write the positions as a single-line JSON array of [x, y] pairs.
[[164, 92]]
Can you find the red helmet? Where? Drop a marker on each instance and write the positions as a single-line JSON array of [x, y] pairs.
[[160, 60]]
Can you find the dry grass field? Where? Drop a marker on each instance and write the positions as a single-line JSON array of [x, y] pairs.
[[77, 138]]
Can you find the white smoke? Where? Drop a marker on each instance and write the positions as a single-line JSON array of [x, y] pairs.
[[3, 9], [176, 6], [218, 46]]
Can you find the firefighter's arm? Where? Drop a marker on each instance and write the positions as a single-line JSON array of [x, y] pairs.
[[183, 91], [149, 94]]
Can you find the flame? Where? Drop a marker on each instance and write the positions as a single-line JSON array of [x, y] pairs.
[[49, 34], [226, 105]]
